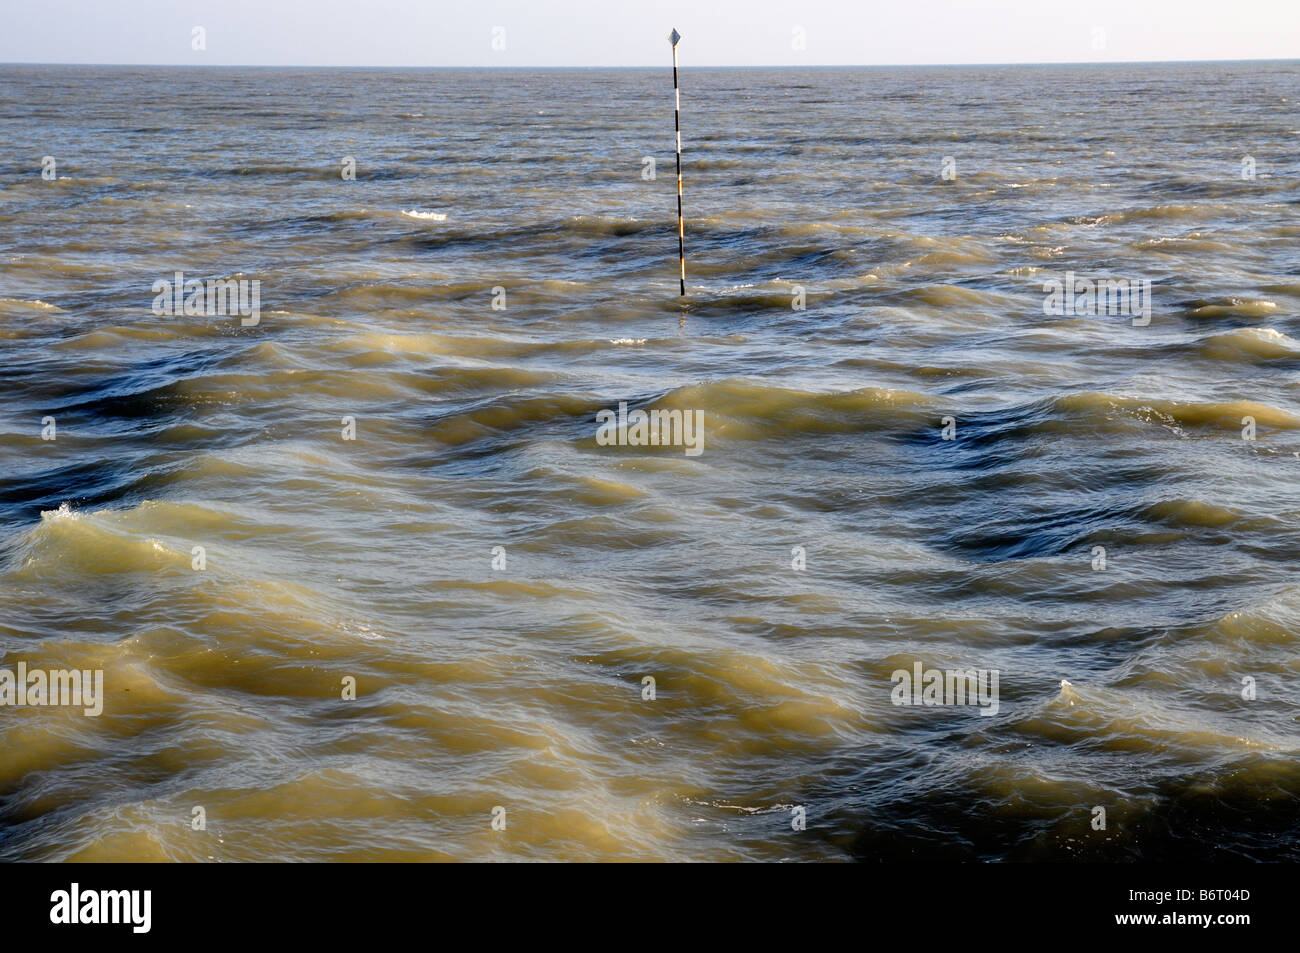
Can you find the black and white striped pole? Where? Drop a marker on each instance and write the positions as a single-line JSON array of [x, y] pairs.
[[677, 122]]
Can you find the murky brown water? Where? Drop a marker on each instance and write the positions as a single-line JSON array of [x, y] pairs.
[[521, 686]]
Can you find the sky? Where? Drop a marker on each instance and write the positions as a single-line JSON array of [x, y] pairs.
[[525, 33]]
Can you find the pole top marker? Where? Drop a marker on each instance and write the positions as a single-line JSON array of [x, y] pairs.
[[674, 37]]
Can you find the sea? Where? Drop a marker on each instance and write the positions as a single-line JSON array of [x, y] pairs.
[[356, 436]]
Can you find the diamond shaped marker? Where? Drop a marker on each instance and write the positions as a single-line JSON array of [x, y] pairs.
[[674, 37]]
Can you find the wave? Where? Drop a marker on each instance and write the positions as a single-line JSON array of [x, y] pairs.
[[1249, 343], [1104, 717], [1192, 514], [1100, 407], [742, 409], [1231, 308], [1151, 213], [24, 304], [732, 409], [96, 542]]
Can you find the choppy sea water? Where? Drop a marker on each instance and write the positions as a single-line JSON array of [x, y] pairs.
[[1115, 506]]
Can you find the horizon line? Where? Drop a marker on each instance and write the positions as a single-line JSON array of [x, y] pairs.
[[791, 66]]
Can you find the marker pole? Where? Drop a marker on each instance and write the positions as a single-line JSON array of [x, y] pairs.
[[677, 123]]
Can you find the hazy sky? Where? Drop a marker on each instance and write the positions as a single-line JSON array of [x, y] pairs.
[[621, 33]]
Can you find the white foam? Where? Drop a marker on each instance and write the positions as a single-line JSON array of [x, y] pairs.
[[36, 303], [427, 216], [64, 512]]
